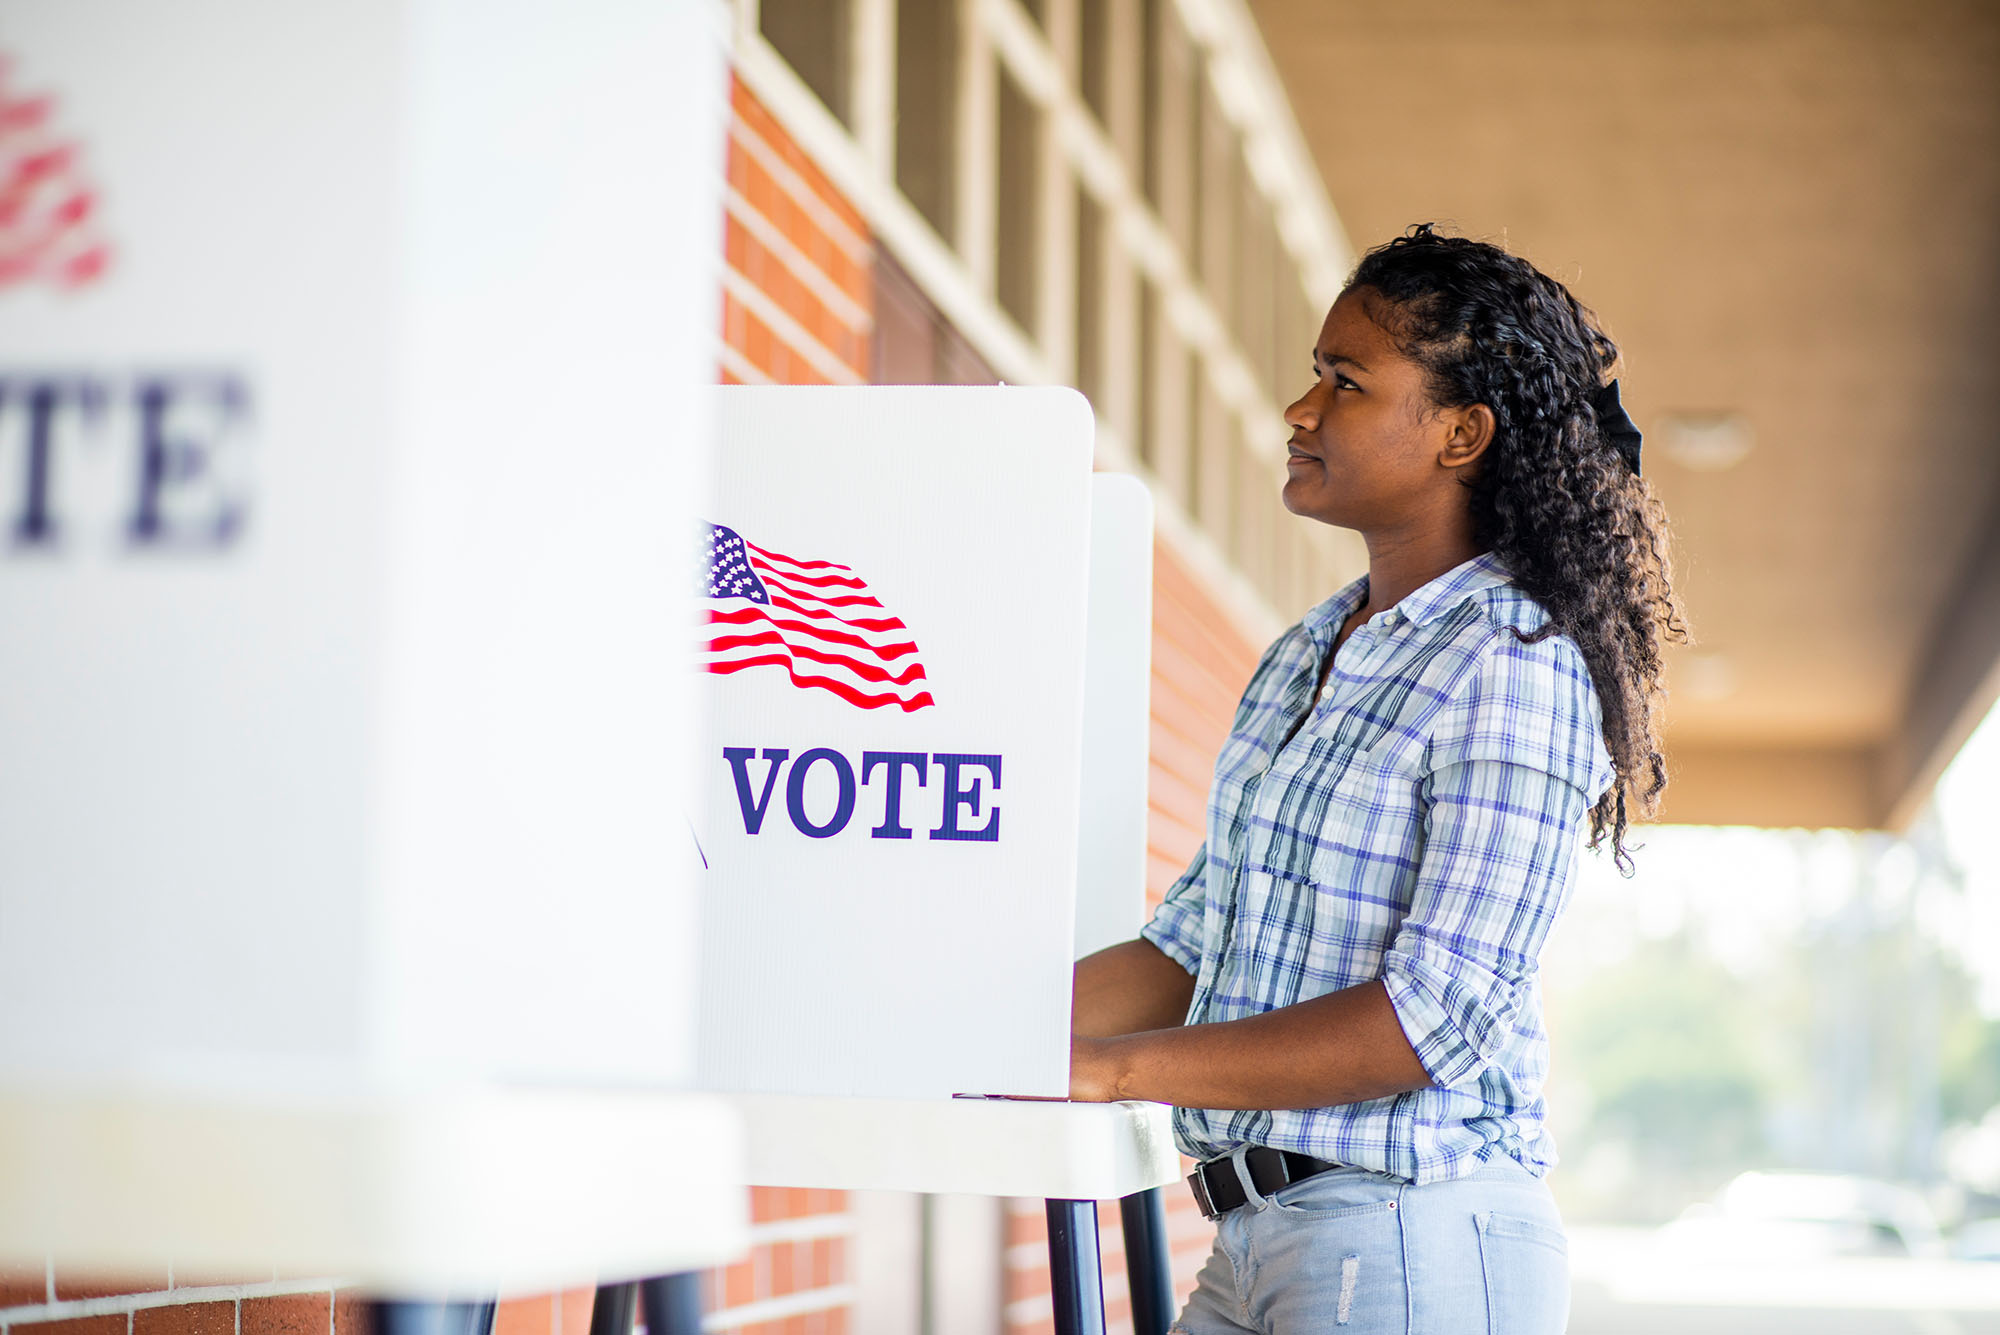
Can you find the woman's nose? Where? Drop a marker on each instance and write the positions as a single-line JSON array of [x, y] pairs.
[[1303, 415]]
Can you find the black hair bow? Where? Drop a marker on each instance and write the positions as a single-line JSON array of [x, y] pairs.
[[1616, 423]]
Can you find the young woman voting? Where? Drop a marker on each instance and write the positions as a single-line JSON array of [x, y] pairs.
[[1338, 996]]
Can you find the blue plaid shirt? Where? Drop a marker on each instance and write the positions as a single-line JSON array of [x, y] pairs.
[[1420, 829]]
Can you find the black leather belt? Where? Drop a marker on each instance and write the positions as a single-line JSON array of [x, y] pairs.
[[1218, 1189]]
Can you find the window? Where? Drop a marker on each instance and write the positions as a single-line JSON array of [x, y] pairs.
[[1090, 293], [1214, 486], [1094, 57], [1149, 357], [927, 107], [1151, 20], [813, 36], [1171, 164], [1018, 241], [997, 192], [1221, 186], [1255, 284]]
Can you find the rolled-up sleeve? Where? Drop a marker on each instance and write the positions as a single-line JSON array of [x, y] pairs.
[[1176, 926], [1507, 774]]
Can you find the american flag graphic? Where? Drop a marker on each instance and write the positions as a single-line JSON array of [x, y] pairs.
[[48, 228], [815, 619]]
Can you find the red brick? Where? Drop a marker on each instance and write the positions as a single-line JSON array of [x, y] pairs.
[[575, 1307], [758, 121], [294, 1314], [784, 1269], [525, 1316], [189, 1319], [23, 1283], [83, 1325], [758, 343], [351, 1315], [73, 1284], [739, 1284], [825, 1267], [733, 316]]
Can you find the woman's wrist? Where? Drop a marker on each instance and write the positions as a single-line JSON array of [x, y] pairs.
[[1100, 1068]]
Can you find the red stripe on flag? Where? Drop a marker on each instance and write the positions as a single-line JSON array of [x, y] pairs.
[[865, 671], [865, 623], [919, 701], [794, 561], [755, 613]]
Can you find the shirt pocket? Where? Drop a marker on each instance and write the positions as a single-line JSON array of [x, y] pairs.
[[1302, 804]]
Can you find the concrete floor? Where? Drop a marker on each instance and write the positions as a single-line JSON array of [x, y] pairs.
[[1626, 1282]]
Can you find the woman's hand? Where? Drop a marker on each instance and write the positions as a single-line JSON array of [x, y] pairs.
[[1093, 1070]]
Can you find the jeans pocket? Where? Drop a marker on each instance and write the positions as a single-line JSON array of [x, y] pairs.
[[1526, 1265], [1340, 1194]]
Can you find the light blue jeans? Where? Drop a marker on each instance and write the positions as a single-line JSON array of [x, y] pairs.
[[1480, 1255]]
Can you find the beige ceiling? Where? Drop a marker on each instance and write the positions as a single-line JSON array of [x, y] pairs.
[[1786, 209]]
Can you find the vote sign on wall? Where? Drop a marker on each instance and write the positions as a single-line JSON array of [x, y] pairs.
[[891, 640]]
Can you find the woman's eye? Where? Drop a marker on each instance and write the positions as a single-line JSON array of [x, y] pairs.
[[1342, 382]]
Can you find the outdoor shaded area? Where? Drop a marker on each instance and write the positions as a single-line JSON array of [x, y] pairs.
[[1777, 1050]]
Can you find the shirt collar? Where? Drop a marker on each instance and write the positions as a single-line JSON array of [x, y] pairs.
[[1423, 605]]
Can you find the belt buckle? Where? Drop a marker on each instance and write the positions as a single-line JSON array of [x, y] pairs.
[[1198, 1183]]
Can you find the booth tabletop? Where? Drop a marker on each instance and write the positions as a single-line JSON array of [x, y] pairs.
[[466, 1191], [990, 1147]]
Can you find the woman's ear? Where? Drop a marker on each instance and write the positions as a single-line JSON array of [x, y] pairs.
[[1471, 432]]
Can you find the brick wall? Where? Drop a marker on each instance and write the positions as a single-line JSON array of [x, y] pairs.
[[797, 285], [47, 1299]]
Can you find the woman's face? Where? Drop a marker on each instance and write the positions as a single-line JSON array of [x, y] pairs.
[[1369, 451]]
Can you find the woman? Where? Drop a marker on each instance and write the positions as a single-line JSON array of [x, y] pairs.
[[1339, 996]]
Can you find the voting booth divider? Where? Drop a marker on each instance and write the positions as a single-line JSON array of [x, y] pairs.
[[925, 627], [353, 397]]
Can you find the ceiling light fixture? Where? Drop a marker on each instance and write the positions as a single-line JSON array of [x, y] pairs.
[[1705, 442]]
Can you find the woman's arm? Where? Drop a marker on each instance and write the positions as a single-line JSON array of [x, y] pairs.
[[1129, 987], [1344, 1047]]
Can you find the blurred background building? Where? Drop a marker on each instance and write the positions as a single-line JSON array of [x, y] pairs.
[[1788, 214]]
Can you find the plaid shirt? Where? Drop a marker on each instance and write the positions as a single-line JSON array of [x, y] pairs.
[[1420, 829]]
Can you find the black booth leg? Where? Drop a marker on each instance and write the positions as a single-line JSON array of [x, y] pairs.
[[407, 1318], [1074, 1268], [672, 1304], [1147, 1264], [612, 1311]]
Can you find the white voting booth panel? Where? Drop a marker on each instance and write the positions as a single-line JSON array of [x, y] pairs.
[[350, 421], [1003, 1147], [1117, 715], [894, 645]]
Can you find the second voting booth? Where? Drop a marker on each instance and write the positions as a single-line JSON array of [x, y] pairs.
[[346, 400], [923, 631]]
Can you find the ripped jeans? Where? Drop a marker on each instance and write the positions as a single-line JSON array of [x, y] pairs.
[[1479, 1255]]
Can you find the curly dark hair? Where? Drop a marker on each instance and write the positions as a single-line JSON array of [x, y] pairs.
[[1575, 524]]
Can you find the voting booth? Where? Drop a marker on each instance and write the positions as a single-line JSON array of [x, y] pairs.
[[892, 625], [923, 633], [353, 403]]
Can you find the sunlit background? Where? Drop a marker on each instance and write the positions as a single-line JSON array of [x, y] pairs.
[[1777, 1068]]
